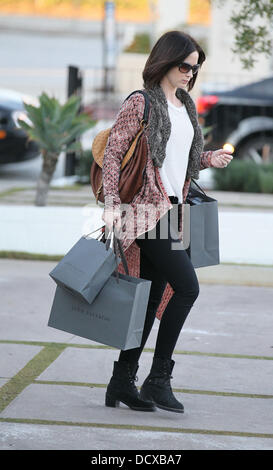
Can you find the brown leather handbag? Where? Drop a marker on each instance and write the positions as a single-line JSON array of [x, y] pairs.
[[133, 163]]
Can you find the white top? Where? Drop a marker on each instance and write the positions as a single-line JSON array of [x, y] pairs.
[[173, 170]]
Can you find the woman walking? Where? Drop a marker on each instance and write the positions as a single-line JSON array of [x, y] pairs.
[[175, 155]]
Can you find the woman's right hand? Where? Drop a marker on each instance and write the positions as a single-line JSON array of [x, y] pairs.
[[112, 216]]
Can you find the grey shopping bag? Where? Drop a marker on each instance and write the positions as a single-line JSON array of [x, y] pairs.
[[86, 267], [201, 214], [115, 318]]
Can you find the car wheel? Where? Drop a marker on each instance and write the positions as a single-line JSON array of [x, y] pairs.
[[258, 150]]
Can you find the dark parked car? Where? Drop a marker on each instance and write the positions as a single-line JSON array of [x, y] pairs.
[[242, 117], [14, 144]]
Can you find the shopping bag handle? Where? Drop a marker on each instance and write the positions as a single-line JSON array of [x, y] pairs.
[[117, 246], [198, 186], [116, 242], [123, 259], [111, 240], [90, 233]]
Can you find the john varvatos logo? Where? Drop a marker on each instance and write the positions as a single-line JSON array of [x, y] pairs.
[[85, 311]]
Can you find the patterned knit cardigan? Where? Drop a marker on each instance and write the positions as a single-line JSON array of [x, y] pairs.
[[151, 199]]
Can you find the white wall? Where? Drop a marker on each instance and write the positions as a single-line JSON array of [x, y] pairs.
[[54, 230], [170, 13]]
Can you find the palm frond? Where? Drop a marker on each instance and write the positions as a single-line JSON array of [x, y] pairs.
[[56, 126]]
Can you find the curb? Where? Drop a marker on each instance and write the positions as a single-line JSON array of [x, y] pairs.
[[232, 274]]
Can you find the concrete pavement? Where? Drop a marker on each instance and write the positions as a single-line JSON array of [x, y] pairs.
[[53, 383]]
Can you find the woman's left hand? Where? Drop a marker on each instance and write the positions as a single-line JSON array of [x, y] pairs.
[[221, 158]]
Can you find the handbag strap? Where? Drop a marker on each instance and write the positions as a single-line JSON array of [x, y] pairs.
[[147, 104]]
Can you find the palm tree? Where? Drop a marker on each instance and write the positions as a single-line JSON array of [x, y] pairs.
[[55, 128]]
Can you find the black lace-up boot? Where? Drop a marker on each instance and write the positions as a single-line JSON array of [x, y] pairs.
[[157, 386], [122, 388]]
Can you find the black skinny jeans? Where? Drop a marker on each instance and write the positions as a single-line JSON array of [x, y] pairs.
[[161, 264]]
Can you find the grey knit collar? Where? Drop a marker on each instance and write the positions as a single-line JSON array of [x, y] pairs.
[[159, 129]]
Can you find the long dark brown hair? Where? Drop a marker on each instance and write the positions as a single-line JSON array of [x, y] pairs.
[[170, 50]]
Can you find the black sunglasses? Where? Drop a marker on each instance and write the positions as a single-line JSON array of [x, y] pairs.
[[185, 68]]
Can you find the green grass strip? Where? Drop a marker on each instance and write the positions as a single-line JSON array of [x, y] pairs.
[[232, 356], [13, 190], [28, 374], [244, 206], [178, 390], [52, 188], [251, 265], [151, 350], [29, 256], [74, 187], [138, 428], [66, 345]]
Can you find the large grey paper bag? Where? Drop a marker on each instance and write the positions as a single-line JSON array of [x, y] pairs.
[[201, 213], [85, 268], [116, 316]]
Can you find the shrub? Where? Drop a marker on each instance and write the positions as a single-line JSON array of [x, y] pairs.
[[244, 176], [266, 179], [141, 44]]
